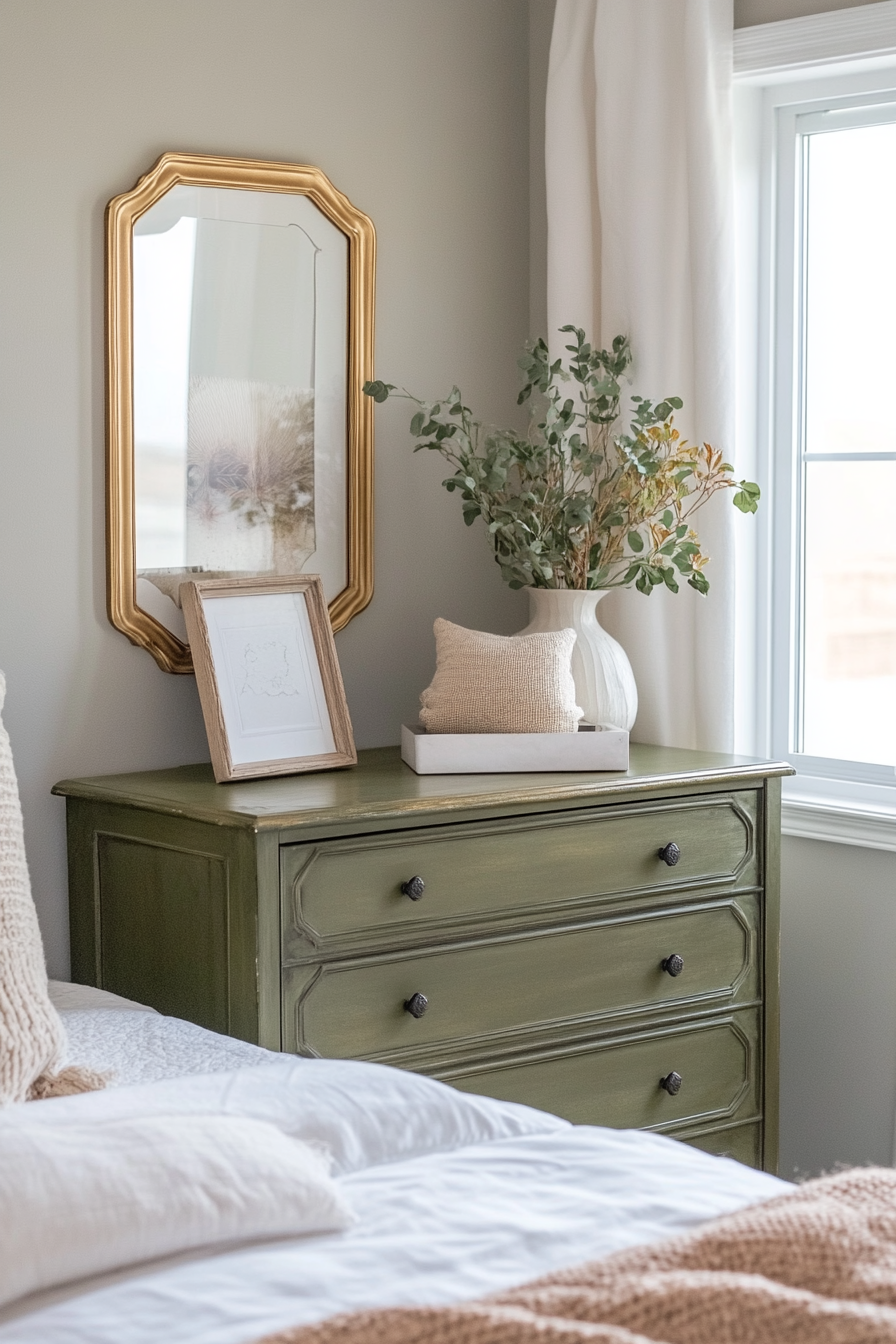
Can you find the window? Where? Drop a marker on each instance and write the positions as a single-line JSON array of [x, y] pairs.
[[835, 446], [817, 225]]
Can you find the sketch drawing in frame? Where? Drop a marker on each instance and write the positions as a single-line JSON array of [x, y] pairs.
[[239, 333], [268, 676]]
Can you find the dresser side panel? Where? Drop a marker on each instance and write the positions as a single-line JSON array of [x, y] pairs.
[[164, 911], [164, 929]]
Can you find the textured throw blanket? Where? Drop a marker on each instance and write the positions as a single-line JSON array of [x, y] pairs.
[[814, 1266], [32, 1037]]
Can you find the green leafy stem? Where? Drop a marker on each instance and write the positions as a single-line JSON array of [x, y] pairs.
[[577, 502]]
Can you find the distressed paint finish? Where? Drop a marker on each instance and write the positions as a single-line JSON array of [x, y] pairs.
[[498, 992], [273, 910]]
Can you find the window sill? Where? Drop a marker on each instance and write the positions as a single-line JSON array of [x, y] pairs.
[[818, 810]]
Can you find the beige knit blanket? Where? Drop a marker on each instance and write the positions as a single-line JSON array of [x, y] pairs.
[[814, 1266], [32, 1037]]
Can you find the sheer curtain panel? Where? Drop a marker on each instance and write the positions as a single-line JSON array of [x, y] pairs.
[[640, 241]]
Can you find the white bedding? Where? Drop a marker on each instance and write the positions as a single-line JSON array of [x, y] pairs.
[[86, 1198], [454, 1198], [135, 1044], [139, 1047], [66, 997]]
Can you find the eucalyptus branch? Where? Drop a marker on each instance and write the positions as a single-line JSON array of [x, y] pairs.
[[577, 503]]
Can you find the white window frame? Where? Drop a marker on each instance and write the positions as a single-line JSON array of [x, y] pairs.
[[783, 71]]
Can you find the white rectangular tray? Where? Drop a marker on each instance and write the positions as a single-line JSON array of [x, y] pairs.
[[517, 753]]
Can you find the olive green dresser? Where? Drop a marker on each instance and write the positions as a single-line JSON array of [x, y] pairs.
[[604, 946]]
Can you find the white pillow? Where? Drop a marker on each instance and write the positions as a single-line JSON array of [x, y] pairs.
[[501, 683], [364, 1114], [85, 1199]]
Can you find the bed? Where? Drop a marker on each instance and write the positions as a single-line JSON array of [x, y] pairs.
[[454, 1195]]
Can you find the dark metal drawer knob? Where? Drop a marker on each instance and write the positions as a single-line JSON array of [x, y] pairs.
[[417, 1005], [669, 853], [414, 887], [671, 1083], [673, 965]]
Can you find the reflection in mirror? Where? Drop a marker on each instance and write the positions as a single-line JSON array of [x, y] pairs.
[[239, 330]]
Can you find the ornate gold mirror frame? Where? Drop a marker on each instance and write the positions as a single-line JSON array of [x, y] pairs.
[[172, 171]]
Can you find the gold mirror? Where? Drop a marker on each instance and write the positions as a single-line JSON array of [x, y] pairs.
[[239, 312]]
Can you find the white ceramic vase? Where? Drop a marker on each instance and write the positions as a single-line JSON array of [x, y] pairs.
[[605, 683]]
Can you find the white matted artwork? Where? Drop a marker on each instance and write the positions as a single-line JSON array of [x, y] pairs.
[[269, 681]]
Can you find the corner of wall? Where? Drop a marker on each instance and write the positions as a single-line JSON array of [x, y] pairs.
[[541, 22]]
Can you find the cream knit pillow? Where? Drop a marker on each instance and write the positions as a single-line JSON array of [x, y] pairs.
[[501, 683], [32, 1037]]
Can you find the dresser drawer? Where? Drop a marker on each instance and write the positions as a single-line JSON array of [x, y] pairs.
[[561, 978], [742, 1142], [618, 1083], [344, 893]]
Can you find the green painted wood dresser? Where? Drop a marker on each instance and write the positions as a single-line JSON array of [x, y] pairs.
[[604, 946]]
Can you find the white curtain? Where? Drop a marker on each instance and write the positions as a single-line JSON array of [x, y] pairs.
[[640, 241]]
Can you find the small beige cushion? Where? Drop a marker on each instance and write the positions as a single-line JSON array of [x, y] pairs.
[[501, 683]]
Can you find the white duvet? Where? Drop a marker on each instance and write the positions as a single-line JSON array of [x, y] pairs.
[[454, 1195]]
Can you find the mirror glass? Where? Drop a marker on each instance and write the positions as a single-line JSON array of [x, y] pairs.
[[240, 329]]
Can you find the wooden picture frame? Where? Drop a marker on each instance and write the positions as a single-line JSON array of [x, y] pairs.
[[268, 676]]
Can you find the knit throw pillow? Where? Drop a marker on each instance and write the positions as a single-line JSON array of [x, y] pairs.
[[32, 1037], [501, 683]]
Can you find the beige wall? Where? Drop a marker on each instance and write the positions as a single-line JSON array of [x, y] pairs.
[[838, 1006], [541, 20], [418, 111]]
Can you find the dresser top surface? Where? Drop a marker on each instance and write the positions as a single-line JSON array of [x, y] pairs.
[[381, 787]]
